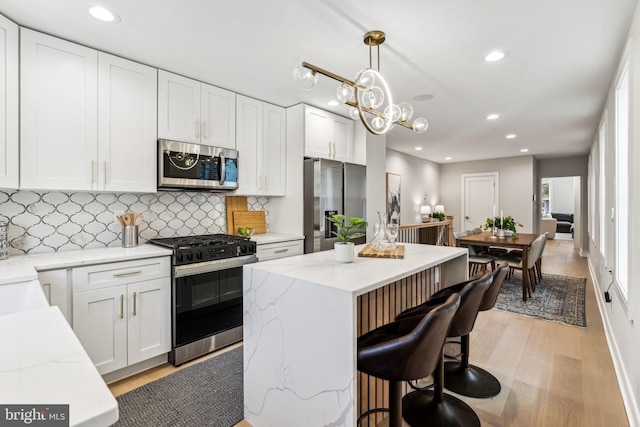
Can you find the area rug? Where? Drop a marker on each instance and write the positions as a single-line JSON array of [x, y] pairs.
[[205, 394], [557, 298]]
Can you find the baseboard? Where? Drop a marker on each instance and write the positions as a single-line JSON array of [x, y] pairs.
[[128, 371], [630, 405], [584, 254]]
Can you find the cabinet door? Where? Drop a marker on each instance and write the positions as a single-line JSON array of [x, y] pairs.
[[56, 288], [149, 318], [317, 142], [100, 323], [178, 108], [273, 150], [8, 104], [249, 138], [218, 113], [58, 124], [127, 125], [342, 139]]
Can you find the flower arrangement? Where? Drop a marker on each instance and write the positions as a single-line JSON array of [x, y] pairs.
[[505, 223], [440, 216], [344, 233]]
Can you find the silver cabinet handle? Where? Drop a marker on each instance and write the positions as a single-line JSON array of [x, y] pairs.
[[135, 302], [197, 128], [93, 171], [104, 167], [121, 306], [205, 130], [127, 273], [279, 251]]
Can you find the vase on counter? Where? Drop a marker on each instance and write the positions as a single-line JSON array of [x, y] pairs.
[[344, 251], [381, 241]]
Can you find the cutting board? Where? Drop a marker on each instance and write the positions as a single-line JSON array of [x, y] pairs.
[[253, 219], [234, 203], [369, 252]]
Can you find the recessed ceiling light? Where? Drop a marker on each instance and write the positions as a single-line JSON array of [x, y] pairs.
[[493, 116], [418, 148], [524, 150], [511, 136], [447, 158], [494, 56], [333, 103], [423, 97], [103, 14]]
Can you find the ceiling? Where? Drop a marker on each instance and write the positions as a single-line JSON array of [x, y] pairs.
[[549, 90]]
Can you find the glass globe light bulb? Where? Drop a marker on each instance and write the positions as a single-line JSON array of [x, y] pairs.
[[406, 111], [304, 78], [376, 97], [353, 113], [365, 79], [392, 112], [345, 92], [420, 125], [377, 123]]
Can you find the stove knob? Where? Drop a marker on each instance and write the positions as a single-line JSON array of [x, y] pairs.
[[199, 255], [179, 258], [190, 256]]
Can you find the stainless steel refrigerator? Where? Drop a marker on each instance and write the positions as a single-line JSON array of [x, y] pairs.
[[331, 187]]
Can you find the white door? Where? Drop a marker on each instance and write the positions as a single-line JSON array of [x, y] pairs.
[[343, 139], [273, 150], [218, 113], [479, 199], [127, 125], [178, 108], [8, 104], [58, 113], [318, 126], [149, 328], [249, 138]]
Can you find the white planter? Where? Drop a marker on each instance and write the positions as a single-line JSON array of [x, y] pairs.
[[344, 251]]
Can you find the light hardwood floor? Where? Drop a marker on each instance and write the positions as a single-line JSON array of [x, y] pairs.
[[551, 374]]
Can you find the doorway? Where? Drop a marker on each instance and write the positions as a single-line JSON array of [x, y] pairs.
[[479, 198], [560, 197]]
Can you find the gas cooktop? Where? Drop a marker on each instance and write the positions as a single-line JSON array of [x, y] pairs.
[[206, 247]]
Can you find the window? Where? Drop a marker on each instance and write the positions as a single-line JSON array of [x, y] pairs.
[[592, 193], [545, 200], [622, 181], [602, 243]]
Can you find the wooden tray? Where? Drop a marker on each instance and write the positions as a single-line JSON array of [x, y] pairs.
[[234, 204], [253, 219], [369, 252]]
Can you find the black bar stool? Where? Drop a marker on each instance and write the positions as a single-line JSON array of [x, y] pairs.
[[435, 408], [405, 350]]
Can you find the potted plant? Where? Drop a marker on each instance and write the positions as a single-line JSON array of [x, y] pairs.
[[504, 223], [440, 216], [345, 232]]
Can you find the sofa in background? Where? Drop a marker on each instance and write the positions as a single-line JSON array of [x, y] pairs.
[[548, 225], [565, 222]]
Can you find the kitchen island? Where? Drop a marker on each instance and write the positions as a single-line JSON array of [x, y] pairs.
[[302, 317]]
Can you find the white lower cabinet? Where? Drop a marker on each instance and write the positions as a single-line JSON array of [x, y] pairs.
[[55, 284], [122, 312], [267, 251]]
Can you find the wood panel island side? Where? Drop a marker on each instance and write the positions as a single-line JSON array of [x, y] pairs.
[[302, 317]]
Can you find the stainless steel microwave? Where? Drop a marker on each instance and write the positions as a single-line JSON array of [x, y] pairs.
[[196, 167]]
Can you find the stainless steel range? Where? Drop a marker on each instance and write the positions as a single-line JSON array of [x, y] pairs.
[[206, 292]]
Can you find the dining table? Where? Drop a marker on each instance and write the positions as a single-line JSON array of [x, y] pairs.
[[520, 241]]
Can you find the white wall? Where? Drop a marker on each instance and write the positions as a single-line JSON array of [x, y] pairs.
[[516, 184], [418, 177], [619, 316]]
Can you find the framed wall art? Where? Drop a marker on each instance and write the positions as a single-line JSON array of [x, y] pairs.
[[393, 198]]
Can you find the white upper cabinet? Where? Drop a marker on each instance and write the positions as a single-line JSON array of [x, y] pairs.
[[261, 144], [59, 114], [327, 135], [9, 124], [127, 125], [191, 111], [88, 118]]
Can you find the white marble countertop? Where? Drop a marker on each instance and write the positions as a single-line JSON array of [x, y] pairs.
[[262, 239], [25, 267], [43, 362], [363, 274]]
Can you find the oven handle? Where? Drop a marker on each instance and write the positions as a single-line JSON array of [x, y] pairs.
[[217, 265]]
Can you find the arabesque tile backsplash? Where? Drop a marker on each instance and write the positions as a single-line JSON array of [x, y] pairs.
[[45, 221]]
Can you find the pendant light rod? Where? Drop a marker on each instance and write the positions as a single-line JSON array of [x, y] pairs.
[[329, 74]]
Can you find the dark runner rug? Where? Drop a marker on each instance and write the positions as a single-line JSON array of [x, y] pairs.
[[557, 298], [205, 394]]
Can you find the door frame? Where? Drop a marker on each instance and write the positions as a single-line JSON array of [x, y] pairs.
[[496, 190]]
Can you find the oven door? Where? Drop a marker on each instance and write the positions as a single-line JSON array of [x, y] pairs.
[[183, 165], [207, 299]]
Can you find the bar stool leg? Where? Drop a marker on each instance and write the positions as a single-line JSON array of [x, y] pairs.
[[436, 408], [468, 380]]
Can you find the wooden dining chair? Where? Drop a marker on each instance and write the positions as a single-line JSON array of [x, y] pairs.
[[515, 262], [478, 261]]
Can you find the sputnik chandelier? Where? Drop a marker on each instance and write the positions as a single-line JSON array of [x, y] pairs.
[[369, 95]]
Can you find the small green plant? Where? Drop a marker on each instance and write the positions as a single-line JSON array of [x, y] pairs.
[[509, 223], [440, 216], [344, 233]]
